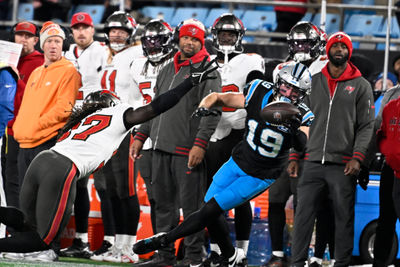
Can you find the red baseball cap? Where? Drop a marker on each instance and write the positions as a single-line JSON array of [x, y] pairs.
[[81, 18], [25, 26]]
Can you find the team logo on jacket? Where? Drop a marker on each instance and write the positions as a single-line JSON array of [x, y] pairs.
[[349, 89]]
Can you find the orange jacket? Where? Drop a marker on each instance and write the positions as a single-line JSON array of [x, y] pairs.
[[50, 94]]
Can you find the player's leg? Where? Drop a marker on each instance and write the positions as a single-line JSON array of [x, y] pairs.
[[279, 193], [230, 187], [80, 247], [128, 210], [106, 214]]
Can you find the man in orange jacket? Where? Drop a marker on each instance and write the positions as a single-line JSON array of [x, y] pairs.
[[50, 94]]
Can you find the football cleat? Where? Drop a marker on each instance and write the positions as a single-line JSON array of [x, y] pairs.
[[150, 244], [78, 249], [42, 256]]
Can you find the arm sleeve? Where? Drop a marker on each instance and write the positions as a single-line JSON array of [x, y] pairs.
[[159, 105]]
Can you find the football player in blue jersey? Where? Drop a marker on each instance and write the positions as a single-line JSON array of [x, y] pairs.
[[255, 162]]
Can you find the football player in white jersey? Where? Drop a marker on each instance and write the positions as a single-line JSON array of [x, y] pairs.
[[115, 182], [88, 57], [86, 142], [158, 51], [236, 69], [306, 45]]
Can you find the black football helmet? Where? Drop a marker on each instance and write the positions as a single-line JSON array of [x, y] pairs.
[[297, 77], [157, 40], [228, 22], [120, 19], [306, 41], [102, 98]]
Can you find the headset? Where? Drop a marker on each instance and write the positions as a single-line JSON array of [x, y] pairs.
[[12, 33]]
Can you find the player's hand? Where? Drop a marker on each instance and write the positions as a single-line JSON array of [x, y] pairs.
[[363, 177], [196, 155], [204, 112], [200, 73], [134, 149], [294, 123], [352, 167], [293, 168]]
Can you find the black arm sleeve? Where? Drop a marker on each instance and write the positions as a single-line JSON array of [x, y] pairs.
[[255, 74], [299, 140], [159, 105]]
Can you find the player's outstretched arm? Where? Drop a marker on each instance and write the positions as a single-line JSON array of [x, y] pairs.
[[229, 99], [169, 99]]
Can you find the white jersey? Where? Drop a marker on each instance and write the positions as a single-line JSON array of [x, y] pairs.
[[88, 62], [116, 76], [234, 75], [314, 68], [145, 76], [91, 144]]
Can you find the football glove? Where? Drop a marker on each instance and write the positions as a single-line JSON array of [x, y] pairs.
[[363, 177], [293, 124], [203, 112], [200, 73]]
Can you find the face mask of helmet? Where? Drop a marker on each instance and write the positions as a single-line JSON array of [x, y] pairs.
[[155, 47], [222, 30], [304, 42], [293, 82]]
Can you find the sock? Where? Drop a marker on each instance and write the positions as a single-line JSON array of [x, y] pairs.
[[82, 236], [119, 241], [110, 239], [214, 247], [243, 244], [130, 240], [22, 242], [278, 253]]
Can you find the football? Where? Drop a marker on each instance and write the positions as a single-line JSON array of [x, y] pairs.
[[278, 112]]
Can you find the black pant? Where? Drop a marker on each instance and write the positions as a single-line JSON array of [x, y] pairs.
[[26, 155], [11, 180], [317, 178], [387, 219]]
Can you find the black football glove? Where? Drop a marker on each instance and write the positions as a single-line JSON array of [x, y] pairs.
[[294, 123], [363, 177], [200, 73], [203, 112]]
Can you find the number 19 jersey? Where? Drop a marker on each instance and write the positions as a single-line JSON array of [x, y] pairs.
[[264, 149]]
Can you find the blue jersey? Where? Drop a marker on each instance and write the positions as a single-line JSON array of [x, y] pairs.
[[264, 149]]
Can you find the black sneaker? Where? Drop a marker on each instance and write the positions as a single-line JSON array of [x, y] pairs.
[[157, 261], [78, 249], [150, 244], [276, 261], [213, 260], [105, 246], [240, 260]]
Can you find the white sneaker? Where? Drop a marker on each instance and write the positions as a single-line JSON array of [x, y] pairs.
[[100, 257], [12, 255], [42, 256], [114, 256], [240, 256], [127, 255]]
